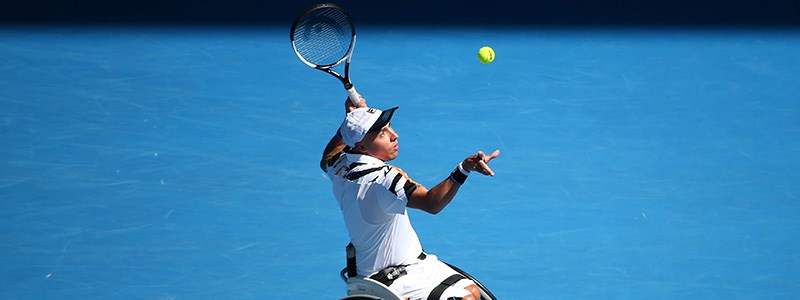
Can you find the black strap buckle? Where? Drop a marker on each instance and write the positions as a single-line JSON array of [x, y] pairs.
[[388, 275]]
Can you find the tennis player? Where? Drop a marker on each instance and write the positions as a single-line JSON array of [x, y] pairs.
[[373, 197]]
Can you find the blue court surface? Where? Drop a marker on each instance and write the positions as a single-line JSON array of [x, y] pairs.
[[182, 162]]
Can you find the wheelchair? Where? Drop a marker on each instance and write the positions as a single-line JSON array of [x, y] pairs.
[[369, 289]]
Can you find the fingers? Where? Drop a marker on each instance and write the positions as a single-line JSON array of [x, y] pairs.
[[484, 169], [480, 162], [494, 154], [362, 102], [348, 105]]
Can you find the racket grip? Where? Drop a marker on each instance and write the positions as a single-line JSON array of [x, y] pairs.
[[353, 95]]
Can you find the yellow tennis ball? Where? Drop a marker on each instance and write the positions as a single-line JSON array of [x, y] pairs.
[[486, 54]]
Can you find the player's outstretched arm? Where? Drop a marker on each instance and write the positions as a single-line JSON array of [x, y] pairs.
[[437, 198]]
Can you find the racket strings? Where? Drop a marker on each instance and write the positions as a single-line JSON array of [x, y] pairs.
[[324, 36]]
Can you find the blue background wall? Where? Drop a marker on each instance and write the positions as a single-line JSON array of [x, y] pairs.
[[467, 12]]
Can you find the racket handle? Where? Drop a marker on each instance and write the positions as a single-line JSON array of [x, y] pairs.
[[353, 95]]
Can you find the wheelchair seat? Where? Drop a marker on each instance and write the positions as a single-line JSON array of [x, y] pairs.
[[366, 289], [359, 288]]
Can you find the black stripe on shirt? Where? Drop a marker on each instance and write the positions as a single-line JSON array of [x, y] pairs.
[[334, 159], [393, 187], [356, 175], [409, 188]]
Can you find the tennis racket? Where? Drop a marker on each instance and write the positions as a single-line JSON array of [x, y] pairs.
[[323, 37]]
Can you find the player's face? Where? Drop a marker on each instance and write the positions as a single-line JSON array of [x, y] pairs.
[[382, 144]]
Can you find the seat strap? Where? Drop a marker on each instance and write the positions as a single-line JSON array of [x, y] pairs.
[[437, 292]]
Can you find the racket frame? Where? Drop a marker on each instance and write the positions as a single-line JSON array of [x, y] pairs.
[[348, 85]]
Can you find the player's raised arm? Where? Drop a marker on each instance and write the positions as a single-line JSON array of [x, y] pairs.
[[335, 145]]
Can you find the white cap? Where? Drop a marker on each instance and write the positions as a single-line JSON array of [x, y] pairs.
[[362, 121]]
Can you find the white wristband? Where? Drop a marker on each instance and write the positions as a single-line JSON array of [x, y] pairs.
[[462, 170]]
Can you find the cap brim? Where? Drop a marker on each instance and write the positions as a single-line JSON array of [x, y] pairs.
[[383, 119]]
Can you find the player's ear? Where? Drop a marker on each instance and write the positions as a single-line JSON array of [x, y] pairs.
[[360, 147]]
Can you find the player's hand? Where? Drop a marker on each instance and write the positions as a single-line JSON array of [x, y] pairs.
[[348, 105], [480, 162]]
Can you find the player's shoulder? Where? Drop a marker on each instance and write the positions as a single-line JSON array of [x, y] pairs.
[[398, 182], [367, 172]]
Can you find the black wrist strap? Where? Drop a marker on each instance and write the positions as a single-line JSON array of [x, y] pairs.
[[458, 177]]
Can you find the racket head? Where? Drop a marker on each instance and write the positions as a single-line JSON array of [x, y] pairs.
[[323, 36]]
